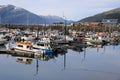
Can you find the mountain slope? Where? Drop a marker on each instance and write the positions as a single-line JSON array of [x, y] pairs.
[[112, 14], [50, 18], [14, 15]]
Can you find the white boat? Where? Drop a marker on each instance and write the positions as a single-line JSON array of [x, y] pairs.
[[2, 39], [68, 38], [27, 47], [10, 45], [44, 46], [28, 37]]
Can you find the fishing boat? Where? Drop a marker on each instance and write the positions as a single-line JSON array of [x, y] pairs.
[[26, 47], [44, 46]]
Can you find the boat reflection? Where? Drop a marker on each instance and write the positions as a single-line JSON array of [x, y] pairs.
[[77, 49], [24, 60]]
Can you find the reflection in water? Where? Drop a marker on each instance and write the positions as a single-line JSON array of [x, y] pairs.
[[84, 54], [64, 61], [101, 65], [114, 47], [103, 49], [80, 49], [97, 49], [37, 67], [29, 60], [24, 60], [77, 48], [99, 71]]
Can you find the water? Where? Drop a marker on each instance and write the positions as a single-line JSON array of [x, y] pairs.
[[91, 64]]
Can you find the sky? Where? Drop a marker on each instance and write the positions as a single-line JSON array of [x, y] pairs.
[[68, 9]]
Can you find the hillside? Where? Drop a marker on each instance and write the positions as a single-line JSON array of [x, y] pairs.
[[10, 14], [112, 14]]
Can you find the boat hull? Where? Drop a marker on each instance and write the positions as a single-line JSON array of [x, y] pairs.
[[4, 41], [24, 51], [45, 51], [28, 51]]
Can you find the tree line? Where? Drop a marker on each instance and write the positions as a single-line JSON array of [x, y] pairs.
[[99, 28]]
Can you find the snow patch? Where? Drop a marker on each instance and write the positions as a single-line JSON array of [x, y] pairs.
[[17, 8], [1, 6]]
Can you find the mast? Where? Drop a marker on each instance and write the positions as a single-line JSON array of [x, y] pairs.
[[64, 27], [44, 26], [0, 21]]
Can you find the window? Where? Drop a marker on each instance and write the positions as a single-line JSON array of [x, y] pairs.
[[20, 45], [40, 44], [28, 46]]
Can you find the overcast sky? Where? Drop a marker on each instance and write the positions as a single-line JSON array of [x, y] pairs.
[[72, 9]]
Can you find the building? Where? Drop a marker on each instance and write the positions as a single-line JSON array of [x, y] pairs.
[[91, 23], [75, 23], [58, 24], [110, 22]]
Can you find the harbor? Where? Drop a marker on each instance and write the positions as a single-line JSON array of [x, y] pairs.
[[38, 43], [95, 55], [59, 40]]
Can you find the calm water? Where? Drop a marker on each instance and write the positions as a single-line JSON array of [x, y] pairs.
[[91, 64]]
